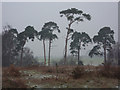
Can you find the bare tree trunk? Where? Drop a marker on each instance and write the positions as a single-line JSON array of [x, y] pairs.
[[44, 52], [21, 56], [79, 47], [66, 42], [49, 53], [8, 60], [78, 55], [104, 54]]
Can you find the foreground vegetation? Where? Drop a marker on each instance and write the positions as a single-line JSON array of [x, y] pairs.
[[61, 77]]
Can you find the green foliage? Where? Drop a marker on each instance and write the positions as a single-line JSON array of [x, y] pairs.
[[105, 36], [30, 32], [13, 31], [9, 40], [51, 26], [105, 39], [43, 34], [95, 51], [47, 34], [79, 40], [22, 37], [47, 31], [74, 14]]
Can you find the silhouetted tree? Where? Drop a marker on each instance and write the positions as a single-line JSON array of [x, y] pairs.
[[47, 34], [104, 39], [79, 40], [42, 36], [9, 40], [51, 38], [22, 38], [72, 15]]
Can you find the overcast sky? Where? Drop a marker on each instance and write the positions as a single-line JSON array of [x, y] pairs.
[[20, 15]]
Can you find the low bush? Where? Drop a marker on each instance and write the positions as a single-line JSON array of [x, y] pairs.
[[109, 71], [49, 70], [116, 72], [11, 78], [78, 72], [12, 71], [13, 83], [59, 70]]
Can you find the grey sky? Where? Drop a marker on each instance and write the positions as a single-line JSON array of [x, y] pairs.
[[20, 15]]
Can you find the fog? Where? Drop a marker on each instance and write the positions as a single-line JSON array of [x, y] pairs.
[[19, 15]]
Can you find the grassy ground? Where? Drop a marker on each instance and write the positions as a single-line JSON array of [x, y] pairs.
[[60, 77]]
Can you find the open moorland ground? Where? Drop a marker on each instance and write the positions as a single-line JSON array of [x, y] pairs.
[[61, 77]]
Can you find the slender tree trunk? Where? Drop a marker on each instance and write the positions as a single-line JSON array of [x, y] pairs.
[[79, 47], [104, 54], [105, 58], [49, 53], [66, 42], [78, 55], [8, 59], [44, 52], [21, 56]]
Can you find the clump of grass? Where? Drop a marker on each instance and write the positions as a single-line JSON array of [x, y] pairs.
[[62, 70], [105, 71], [109, 71], [12, 78], [12, 71], [49, 70], [59, 70], [77, 72], [13, 83], [115, 70]]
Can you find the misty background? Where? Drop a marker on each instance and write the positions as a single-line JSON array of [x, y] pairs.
[[21, 14]]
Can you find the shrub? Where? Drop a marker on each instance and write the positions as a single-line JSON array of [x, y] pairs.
[[77, 72], [109, 71], [116, 72], [12, 78], [12, 71], [49, 70], [13, 83], [62, 70]]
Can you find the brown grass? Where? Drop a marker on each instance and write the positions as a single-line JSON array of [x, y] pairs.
[[11, 71], [96, 71], [78, 72], [109, 71], [13, 83], [105, 71], [11, 78], [100, 75]]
